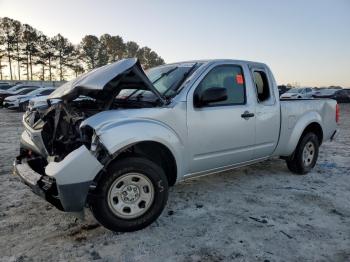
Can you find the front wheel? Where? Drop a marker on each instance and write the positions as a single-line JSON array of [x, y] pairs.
[[23, 106], [305, 155], [131, 195]]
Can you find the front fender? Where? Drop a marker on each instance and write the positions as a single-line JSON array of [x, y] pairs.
[[122, 134]]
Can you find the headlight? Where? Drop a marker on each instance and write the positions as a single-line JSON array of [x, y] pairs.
[[94, 142], [39, 125]]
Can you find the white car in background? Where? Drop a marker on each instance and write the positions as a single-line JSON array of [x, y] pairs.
[[40, 103], [21, 101], [295, 93], [14, 89], [22, 91]]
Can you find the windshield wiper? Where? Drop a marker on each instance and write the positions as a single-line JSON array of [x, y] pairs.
[[165, 74], [155, 81], [177, 85], [132, 93]]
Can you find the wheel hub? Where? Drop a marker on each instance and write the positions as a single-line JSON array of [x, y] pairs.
[[308, 153], [130, 194]]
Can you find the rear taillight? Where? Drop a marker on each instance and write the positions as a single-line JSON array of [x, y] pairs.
[[337, 113]]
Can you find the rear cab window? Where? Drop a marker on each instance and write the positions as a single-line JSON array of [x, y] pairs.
[[263, 87]]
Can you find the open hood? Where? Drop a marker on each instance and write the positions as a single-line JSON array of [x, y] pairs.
[[126, 71]]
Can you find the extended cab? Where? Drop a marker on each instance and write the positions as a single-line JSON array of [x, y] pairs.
[[138, 133]]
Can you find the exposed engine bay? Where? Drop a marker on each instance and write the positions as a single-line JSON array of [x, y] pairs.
[[61, 133], [86, 96], [60, 123]]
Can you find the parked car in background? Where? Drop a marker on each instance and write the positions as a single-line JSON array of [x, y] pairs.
[[23, 101], [15, 88], [40, 103], [295, 93], [16, 91], [324, 93], [5, 86], [347, 90], [282, 89], [341, 95]]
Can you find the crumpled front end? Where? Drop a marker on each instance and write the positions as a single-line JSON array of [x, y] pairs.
[[61, 177], [60, 157]]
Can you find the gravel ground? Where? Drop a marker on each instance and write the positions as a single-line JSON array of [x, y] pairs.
[[257, 213]]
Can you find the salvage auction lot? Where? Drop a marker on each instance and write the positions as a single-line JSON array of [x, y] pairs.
[[253, 213]]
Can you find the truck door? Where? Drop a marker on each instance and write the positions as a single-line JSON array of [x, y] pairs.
[[267, 118], [220, 133]]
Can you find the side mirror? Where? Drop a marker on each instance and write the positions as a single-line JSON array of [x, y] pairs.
[[213, 94]]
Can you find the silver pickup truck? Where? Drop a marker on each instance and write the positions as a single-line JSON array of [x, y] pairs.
[[132, 134]]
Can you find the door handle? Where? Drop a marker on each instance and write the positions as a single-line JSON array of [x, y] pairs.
[[247, 115]]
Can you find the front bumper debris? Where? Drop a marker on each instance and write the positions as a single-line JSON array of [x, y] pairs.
[[64, 184], [74, 175], [42, 186]]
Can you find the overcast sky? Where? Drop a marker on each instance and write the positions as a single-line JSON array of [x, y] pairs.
[[304, 41]]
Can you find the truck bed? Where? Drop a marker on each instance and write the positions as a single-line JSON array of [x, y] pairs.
[[298, 113]]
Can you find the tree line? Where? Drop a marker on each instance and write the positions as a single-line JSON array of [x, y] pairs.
[[28, 54]]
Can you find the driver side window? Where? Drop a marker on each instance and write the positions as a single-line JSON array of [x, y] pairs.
[[229, 77]]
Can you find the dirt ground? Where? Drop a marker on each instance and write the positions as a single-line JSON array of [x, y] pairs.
[[257, 213]]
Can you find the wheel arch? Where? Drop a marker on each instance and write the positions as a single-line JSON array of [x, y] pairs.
[[315, 128], [294, 128], [155, 151], [151, 139]]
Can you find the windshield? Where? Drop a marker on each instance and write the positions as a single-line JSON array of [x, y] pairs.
[[18, 87], [41, 90], [24, 91], [294, 90], [15, 88], [168, 78], [5, 87]]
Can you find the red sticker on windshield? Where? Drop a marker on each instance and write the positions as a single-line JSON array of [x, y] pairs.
[[239, 79]]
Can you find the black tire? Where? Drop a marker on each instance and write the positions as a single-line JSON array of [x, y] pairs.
[[296, 162], [23, 107], [103, 212]]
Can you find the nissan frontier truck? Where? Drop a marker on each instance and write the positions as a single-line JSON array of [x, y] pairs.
[[140, 132]]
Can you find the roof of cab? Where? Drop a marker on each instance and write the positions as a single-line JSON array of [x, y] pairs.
[[204, 61]]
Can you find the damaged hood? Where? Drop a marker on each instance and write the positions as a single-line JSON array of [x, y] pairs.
[[97, 79]]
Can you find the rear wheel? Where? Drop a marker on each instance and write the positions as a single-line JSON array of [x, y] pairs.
[[305, 155], [131, 195]]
